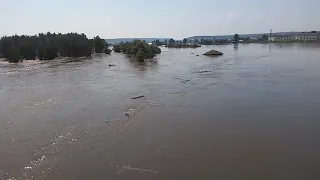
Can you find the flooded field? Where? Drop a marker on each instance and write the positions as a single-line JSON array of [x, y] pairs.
[[253, 113]]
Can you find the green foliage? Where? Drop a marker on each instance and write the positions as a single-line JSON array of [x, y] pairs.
[[107, 51], [221, 41], [236, 38], [158, 42], [264, 37], [117, 48], [14, 55], [181, 45], [138, 49], [185, 40], [99, 44], [45, 46], [141, 56], [172, 41], [206, 42]]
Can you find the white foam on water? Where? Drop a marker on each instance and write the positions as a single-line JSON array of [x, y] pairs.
[[27, 167], [129, 168], [38, 161]]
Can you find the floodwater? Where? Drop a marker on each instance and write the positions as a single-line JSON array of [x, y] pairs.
[[253, 113]]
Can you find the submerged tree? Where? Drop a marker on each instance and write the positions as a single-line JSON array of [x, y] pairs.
[[117, 48], [99, 44], [264, 37], [172, 41], [206, 42], [137, 49], [236, 38], [185, 40]]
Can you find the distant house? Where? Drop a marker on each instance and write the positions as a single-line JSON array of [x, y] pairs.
[[308, 37], [295, 37]]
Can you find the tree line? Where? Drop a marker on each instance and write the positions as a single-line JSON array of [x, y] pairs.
[[194, 42], [49, 46]]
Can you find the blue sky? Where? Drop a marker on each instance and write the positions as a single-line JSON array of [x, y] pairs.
[[161, 18]]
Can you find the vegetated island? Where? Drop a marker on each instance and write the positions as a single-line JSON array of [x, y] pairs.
[[137, 49], [171, 43], [51, 45]]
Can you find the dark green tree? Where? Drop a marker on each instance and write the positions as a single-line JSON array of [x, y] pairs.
[[185, 40], [264, 37], [137, 49], [45, 46], [236, 38], [206, 42], [172, 41], [99, 44], [140, 56], [117, 48]]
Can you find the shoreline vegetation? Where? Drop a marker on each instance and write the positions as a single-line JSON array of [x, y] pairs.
[[195, 43], [171, 43], [49, 46]]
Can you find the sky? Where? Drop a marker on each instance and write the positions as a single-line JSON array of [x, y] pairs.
[[156, 19]]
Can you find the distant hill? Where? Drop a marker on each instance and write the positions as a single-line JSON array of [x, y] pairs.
[[118, 40]]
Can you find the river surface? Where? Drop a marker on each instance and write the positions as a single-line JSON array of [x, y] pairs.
[[253, 113]]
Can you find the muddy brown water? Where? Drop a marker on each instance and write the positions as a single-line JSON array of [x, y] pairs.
[[253, 113]]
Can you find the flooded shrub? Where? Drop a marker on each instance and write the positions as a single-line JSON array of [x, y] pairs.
[[107, 51], [117, 48], [138, 49], [141, 56], [99, 44]]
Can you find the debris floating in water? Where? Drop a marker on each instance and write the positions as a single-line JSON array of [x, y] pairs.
[[129, 168], [138, 97], [27, 168], [204, 71], [183, 80]]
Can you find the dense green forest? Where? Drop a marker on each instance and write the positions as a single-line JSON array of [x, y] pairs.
[[49, 46], [137, 49]]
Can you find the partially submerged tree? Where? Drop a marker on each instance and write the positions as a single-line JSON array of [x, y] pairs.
[[138, 49], [185, 40], [45, 46], [172, 41], [264, 38], [117, 48], [99, 44], [236, 38]]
